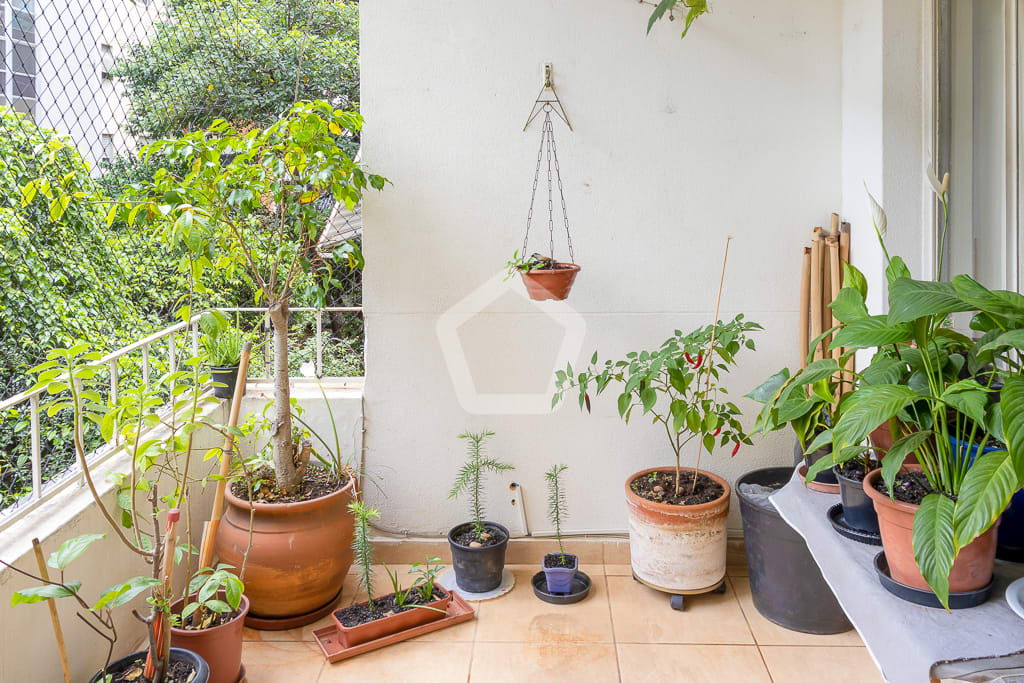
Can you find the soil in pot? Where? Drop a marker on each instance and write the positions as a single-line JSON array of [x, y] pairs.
[[177, 672], [659, 487], [219, 642], [554, 561], [317, 484], [490, 536], [385, 606], [910, 487], [185, 667]]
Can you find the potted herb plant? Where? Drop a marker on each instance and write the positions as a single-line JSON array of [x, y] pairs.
[[223, 345], [544, 277], [209, 620], [251, 194], [478, 547], [559, 568], [677, 516], [937, 519], [402, 609]]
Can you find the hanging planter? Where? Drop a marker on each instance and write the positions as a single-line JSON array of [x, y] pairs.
[[546, 277]]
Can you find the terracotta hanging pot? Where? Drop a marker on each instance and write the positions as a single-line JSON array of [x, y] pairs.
[[677, 547], [552, 283], [299, 557], [972, 569]]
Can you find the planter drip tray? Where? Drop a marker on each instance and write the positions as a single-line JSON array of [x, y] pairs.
[[580, 589], [927, 598], [835, 515], [334, 649]]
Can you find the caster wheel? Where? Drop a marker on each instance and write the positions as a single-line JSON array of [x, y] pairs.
[[636, 579], [678, 602], [720, 590]]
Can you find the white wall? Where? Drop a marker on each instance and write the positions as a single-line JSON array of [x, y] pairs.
[[735, 130]]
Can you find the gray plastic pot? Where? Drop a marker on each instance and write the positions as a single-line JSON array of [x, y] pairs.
[[785, 582], [858, 508], [823, 477], [478, 570], [177, 654]]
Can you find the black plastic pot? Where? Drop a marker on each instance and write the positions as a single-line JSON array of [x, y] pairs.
[[858, 509], [785, 582], [177, 654], [478, 570], [227, 374], [823, 477]]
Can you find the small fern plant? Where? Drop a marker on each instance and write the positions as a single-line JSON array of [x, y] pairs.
[[362, 548], [557, 508], [470, 478]]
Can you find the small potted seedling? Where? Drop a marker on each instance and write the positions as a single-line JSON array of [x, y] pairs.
[[478, 547], [544, 277], [560, 567], [402, 609], [223, 345]]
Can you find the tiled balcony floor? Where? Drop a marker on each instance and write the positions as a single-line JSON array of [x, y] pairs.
[[622, 632]]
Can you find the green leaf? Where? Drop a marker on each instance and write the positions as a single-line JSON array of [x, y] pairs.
[[624, 402], [849, 305], [71, 549], [913, 299], [867, 408], [934, 543], [870, 332], [984, 494], [659, 12], [121, 594], [893, 459], [995, 302], [967, 397], [1011, 398], [1010, 339], [768, 389], [854, 279], [648, 397], [28, 596]]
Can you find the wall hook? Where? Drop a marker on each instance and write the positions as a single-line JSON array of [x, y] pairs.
[[547, 100]]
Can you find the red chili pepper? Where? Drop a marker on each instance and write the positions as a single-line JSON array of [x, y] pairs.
[[735, 449], [717, 432], [586, 399], [700, 359], [688, 359]]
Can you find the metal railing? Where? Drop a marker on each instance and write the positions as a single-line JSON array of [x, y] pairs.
[[42, 491]]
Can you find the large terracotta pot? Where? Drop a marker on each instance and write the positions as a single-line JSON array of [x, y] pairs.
[[221, 646], [300, 552], [973, 566], [550, 284], [677, 547]]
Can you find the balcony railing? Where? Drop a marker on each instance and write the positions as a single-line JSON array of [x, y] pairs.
[[160, 353]]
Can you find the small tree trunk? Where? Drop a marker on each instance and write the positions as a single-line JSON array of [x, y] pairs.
[[285, 472]]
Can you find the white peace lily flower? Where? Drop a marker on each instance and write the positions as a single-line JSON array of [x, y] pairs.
[[308, 369], [934, 179], [877, 213]]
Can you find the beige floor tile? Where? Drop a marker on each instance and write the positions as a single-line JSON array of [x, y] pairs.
[[643, 615], [616, 552], [403, 662], [768, 633], [737, 570], [642, 663], [520, 617], [274, 662], [566, 662], [618, 570], [834, 664]]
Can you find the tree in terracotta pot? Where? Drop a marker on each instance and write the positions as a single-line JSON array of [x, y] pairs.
[[677, 516], [478, 546], [248, 207], [937, 518]]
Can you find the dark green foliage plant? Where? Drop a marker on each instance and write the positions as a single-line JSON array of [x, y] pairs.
[[558, 509], [245, 61], [362, 546], [469, 480]]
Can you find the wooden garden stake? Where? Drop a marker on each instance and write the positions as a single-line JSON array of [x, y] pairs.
[[805, 305], [844, 258], [833, 257], [162, 627], [711, 354], [816, 292], [58, 634], [227, 448]]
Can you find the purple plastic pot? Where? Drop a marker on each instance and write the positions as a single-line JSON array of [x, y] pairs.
[[560, 578]]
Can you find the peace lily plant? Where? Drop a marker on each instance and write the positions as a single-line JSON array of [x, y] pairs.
[[943, 394]]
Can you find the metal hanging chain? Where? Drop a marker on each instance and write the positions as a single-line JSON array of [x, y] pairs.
[[547, 139]]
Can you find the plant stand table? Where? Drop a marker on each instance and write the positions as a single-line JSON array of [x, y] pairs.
[[905, 640]]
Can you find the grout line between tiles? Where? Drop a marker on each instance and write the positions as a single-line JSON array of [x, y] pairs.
[[611, 622], [764, 662]]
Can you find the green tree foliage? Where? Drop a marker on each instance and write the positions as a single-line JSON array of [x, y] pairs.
[[239, 60]]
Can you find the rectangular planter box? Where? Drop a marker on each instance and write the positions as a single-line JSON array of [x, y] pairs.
[[379, 628]]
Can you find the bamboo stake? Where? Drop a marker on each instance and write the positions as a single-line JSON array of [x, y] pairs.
[[227, 448], [711, 354], [833, 257], [805, 305], [826, 292], [816, 328], [844, 258], [58, 634], [161, 626]]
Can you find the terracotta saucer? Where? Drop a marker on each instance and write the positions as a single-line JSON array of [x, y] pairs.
[[285, 623]]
